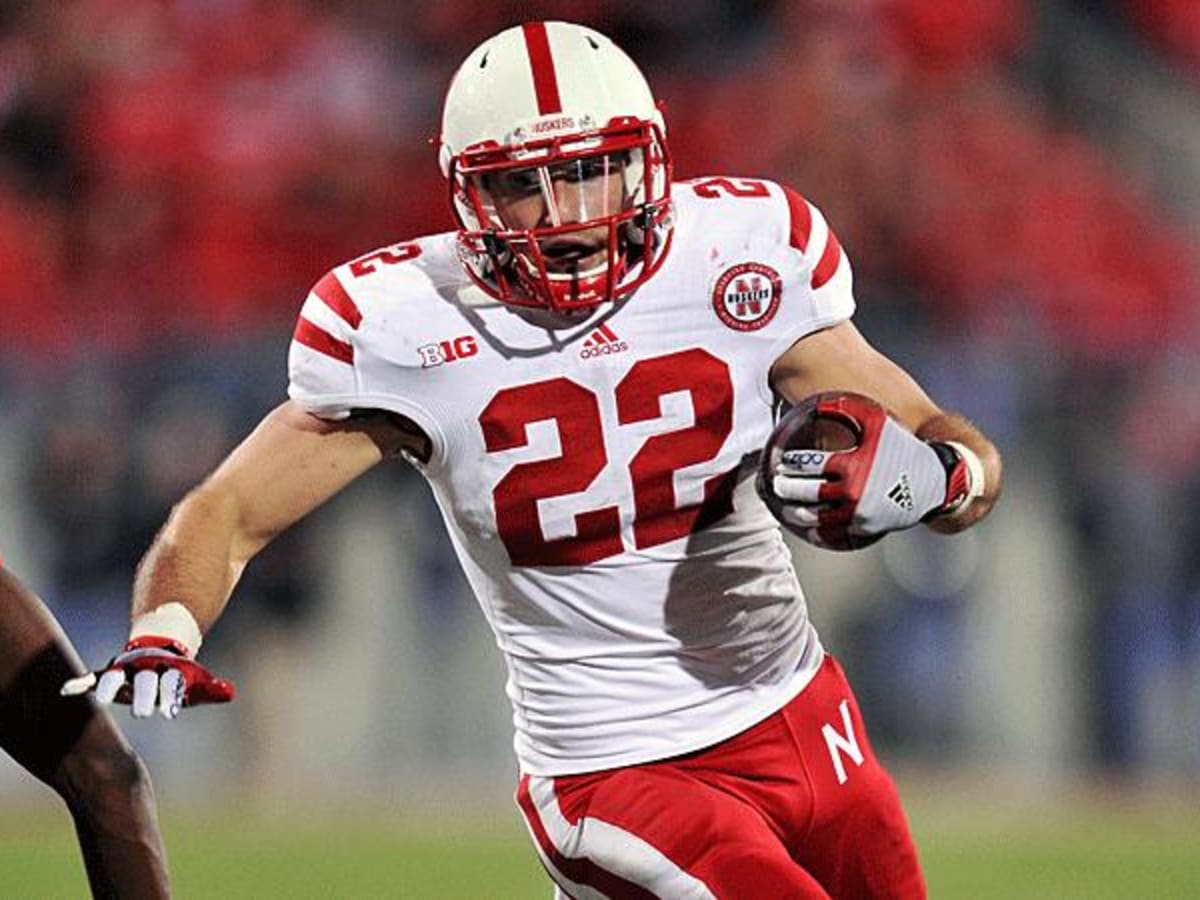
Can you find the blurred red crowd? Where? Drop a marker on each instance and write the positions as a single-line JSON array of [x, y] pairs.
[[939, 172], [195, 166], [201, 164], [1172, 24]]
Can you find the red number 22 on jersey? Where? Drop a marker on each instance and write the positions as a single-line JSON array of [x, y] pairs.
[[575, 411]]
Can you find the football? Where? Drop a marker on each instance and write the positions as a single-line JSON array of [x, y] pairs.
[[816, 423]]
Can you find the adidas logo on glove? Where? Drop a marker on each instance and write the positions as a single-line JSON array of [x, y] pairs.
[[901, 493]]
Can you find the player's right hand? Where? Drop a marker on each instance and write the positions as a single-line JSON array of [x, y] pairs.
[[152, 673]]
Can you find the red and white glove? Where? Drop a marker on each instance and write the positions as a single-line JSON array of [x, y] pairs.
[[157, 669], [891, 481]]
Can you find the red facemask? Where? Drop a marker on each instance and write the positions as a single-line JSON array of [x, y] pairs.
[[569, 222]]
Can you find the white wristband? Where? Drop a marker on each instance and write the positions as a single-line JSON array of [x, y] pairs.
[[173, 621], [976, 479]]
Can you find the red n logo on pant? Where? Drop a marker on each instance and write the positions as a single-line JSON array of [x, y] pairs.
[[842, 743]]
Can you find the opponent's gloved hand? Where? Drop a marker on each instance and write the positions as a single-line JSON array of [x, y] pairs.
[[890, 481], [154, 671]]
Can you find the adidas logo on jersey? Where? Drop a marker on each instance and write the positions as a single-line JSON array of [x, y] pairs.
[[602, 342], [901, 493]]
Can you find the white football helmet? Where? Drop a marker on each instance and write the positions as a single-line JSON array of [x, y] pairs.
[[558, 167]]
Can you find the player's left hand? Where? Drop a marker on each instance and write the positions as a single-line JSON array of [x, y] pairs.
[[890, 481], [150, 674]]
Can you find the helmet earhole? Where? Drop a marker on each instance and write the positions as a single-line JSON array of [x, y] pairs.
[[639, 227], [496, 248], [645, 218]]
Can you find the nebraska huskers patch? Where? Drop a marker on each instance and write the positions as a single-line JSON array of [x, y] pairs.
[[746, 296]]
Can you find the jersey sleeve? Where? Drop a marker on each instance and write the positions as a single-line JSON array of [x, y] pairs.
[[322, 377], [820, 280]]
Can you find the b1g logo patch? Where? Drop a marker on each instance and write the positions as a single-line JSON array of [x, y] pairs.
[[746, 296]]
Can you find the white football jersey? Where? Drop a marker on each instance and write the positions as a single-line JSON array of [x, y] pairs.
[[597, 479]]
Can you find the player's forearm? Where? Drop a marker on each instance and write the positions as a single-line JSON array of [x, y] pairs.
[[950, 427], [289, 465], [196, 559]]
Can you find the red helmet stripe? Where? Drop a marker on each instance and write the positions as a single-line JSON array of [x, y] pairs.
[[317, 338], [333, 295], [545, 80], [828, 263]]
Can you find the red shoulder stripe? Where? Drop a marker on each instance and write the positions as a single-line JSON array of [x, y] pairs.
[[545, 80], [333, 295], [801, 219], [322, 341], [829, 261]]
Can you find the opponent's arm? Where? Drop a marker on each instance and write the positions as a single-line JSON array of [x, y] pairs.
[[840, 358], [290, 464], [77, 750]]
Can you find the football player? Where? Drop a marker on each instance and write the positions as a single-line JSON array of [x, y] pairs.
[[585, 372], [75, 748]]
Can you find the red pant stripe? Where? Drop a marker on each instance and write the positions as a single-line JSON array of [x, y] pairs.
[[577, 869]]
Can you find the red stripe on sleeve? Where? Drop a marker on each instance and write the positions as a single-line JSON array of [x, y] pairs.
[[828, 263], [333, 295], [580, 870], [545, 81], [801, 220], [322, 341]]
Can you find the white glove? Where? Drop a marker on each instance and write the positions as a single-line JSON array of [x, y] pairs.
[[891, 481], [157, 669], [152, 674]]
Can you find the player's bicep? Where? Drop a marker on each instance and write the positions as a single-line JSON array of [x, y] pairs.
[[840, 358], [291, 464]]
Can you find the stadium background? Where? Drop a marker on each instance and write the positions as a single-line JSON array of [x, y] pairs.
[[1017, 184]]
